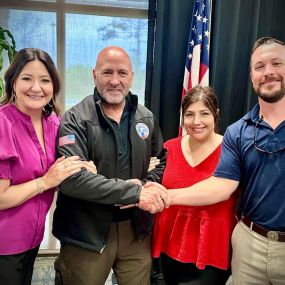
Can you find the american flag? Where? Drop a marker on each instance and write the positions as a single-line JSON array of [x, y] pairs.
[[197, 59], [68, 139]]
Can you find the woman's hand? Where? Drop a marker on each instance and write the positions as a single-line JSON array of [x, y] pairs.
[[135, 181], [60, 170], [90, 166], [154, 161], [14, 195]]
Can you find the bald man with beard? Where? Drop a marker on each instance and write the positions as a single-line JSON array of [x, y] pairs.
[[119, 136]]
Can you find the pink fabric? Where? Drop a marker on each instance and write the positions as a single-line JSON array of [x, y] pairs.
[[199, 235], [22, 159]]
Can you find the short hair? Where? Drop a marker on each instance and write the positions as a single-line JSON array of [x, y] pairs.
[[266, 41], [205, 94], [23, 57]]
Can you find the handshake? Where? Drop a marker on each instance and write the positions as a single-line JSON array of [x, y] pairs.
[[153, 198]]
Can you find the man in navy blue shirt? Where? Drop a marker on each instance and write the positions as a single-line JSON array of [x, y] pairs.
[[253, 159]]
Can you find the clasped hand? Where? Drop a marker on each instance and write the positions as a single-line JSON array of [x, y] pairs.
[[64, 168], [153, 198]]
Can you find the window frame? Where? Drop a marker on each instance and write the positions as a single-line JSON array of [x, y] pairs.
[[61, 9]]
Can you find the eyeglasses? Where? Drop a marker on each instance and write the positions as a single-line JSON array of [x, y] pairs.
[[255, 143]]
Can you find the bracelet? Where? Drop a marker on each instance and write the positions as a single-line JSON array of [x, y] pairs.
[[40, 185]]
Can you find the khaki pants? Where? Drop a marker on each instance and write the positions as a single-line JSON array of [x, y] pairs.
[[129, 258], [256, 259]]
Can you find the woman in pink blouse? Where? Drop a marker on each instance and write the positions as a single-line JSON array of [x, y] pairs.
[[28, 171]]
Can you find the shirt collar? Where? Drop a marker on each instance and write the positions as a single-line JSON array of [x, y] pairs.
[[252, 115]]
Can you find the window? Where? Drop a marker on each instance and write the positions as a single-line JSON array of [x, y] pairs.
[[83, 44], [73, 32]]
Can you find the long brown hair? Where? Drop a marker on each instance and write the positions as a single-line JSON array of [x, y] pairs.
[[20, 60], [207, 96]]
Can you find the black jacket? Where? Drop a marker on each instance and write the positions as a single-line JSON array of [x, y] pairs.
[[85, 203]]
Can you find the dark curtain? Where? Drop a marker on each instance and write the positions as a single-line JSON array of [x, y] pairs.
[[235, 26], [173, 21]]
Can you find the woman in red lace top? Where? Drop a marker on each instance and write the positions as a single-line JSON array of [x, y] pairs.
[[194, 242]]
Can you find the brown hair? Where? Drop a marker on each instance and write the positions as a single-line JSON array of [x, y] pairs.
[[265, 41], [21, 59], [207, 96]]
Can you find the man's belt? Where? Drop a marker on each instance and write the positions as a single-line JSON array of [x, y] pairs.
[[272, 235]]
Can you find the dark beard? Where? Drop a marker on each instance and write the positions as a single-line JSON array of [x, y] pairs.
[[273, 97]]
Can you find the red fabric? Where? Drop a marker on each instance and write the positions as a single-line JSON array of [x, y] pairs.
[[199, 235]]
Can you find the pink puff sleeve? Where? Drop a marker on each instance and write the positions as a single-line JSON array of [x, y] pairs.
[[8, 151]]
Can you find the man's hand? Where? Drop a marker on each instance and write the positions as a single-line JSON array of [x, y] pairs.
[[153, 197]]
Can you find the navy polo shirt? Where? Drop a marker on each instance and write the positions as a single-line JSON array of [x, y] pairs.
[[261, 175]]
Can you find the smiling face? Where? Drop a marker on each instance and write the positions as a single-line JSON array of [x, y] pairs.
[[268, 72], [33, 88], [113, 75], [198, 121]]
